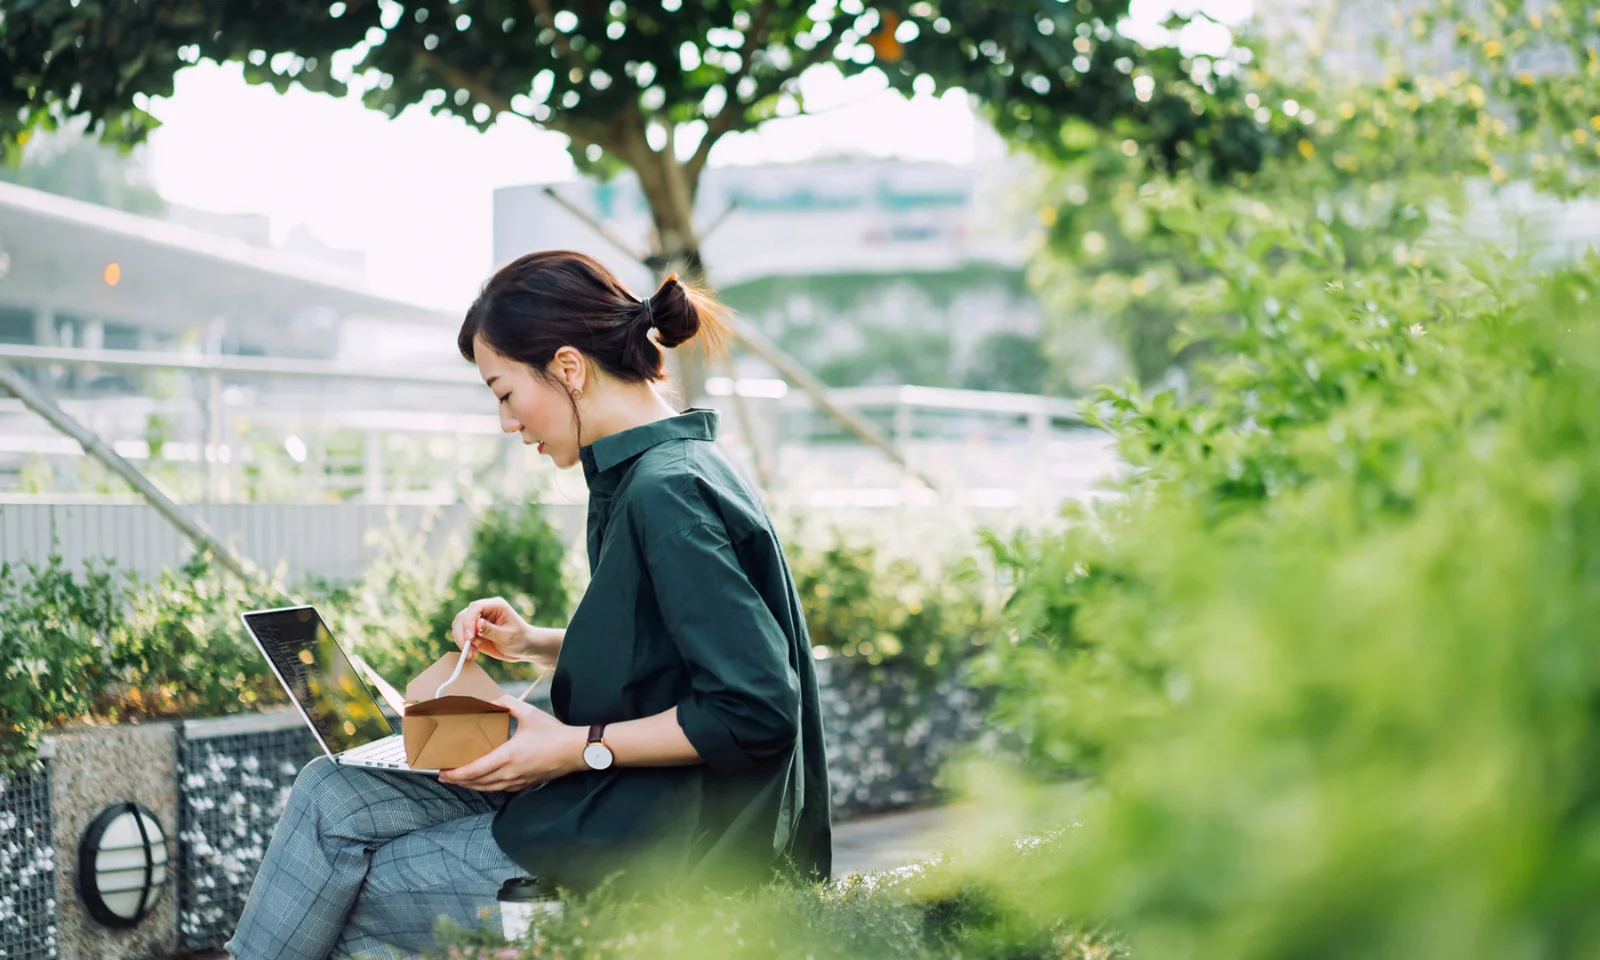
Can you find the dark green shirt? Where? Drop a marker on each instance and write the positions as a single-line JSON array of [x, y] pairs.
[[690, 605]]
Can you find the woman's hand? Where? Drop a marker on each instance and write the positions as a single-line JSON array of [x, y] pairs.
[[542, 749], [494, 628]]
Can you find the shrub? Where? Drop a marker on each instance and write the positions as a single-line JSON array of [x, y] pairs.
[[56, 635], [514, 554], [1331, 662], [913, 913], [181, 650], [103, 647], [871, 608]]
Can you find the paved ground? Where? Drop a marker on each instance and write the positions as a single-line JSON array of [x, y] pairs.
[[890, 840]]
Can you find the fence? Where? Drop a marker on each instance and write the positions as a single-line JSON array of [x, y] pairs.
[[229, 429], [335, 541]]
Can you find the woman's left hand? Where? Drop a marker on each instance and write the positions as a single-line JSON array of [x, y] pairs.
[[542, 749]]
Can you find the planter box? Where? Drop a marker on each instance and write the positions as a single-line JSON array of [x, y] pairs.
[[92, 766], [888, 736], [234, 778]]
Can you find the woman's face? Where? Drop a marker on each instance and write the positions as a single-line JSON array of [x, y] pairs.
[[532, 406]]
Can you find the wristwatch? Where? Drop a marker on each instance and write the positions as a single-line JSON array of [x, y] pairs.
[[595, 752]]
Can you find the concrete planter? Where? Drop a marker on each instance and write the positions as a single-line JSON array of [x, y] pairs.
[[89, 768]]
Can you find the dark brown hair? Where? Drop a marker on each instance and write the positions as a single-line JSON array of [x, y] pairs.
[[541, 302]]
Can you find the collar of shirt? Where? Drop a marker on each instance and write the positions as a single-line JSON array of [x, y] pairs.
[[607, 453]]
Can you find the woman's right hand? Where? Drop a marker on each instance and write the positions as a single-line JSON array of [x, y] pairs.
[[494, 628]]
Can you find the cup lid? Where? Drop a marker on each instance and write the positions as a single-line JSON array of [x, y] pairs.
[[527, 888]]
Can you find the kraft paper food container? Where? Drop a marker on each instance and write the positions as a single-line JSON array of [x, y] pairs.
[[457, 728]]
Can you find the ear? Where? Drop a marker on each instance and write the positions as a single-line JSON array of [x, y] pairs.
[[568, 367]]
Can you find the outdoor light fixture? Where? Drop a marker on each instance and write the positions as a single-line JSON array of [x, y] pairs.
[[122, 864]]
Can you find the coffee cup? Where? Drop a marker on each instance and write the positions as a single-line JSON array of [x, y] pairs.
[[524, 899]]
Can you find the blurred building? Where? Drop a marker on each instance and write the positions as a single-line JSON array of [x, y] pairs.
[[76, 276], [81, 275], [868, 271]]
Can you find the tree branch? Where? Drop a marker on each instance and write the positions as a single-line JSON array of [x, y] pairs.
[[462, 80], [603, 136]]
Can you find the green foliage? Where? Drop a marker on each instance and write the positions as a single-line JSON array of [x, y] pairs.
[[386, 617], [872, 608], [181, 651], [1386, 166], [910, 914], [1330, 662], [95, 647], [56, 635], [635, 85], [514, 554], [1008, 362]]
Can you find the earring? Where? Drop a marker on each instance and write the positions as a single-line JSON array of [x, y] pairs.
[[577, 394]]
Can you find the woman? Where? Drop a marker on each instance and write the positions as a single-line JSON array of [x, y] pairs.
[[686, 740]]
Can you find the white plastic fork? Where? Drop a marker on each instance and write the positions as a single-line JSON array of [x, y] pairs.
[[461, 661]]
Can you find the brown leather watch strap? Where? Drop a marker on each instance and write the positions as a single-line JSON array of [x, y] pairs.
[[596, 733]]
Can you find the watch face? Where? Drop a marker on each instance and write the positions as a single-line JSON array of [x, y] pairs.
[[597, 756]]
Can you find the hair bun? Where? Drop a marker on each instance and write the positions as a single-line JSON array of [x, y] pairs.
[[673, 311]]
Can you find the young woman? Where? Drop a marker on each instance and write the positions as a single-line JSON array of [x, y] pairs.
[[686, 741]]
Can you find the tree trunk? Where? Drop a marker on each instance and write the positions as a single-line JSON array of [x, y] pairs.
[[668, 189], [677, 248]]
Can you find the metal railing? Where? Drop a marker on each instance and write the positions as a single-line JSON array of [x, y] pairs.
[[388, 433]]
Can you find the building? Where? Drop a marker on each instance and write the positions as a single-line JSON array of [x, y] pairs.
[[868, 271], [79, 277]]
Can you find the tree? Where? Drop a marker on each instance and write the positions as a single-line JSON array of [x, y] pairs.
[[1381, 158], [650, 85]]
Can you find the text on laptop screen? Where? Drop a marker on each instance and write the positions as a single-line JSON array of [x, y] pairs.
[[321, 678]]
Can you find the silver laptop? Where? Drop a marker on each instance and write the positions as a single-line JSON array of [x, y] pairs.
[[327, 688]]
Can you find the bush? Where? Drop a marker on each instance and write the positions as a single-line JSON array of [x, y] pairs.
[[913, 913], [1331, 663], [99, 647], [870, 608], [181, 650], [56, 636]]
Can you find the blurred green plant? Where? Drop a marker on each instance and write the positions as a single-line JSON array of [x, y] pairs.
[[180, 649], [97, 647], [515, 553], [1330, 664], [1387, 146], [913, 913], [56, 637], [874, 608]]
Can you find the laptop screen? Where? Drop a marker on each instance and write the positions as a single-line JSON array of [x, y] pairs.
[[320, 677]]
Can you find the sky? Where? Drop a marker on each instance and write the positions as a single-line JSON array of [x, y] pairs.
[[415, 193]]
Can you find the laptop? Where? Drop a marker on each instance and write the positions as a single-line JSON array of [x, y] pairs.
[[329, 691]]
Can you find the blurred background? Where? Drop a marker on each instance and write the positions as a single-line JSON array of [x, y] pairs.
[[256, 303], [1182, 417]]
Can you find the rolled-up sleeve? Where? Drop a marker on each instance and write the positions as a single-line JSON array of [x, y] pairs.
[[744, 704]]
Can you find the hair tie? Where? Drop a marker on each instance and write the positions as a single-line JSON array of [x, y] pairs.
[[649, 310]]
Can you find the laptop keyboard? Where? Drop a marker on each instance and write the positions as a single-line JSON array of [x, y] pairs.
[[387, 750]]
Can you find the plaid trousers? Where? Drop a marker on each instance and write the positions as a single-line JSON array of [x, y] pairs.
[[364, 862]]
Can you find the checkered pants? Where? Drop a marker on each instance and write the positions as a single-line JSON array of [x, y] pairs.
[[364, 862]]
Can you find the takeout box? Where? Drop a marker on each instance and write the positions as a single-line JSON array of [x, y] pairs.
[[457, 728]]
